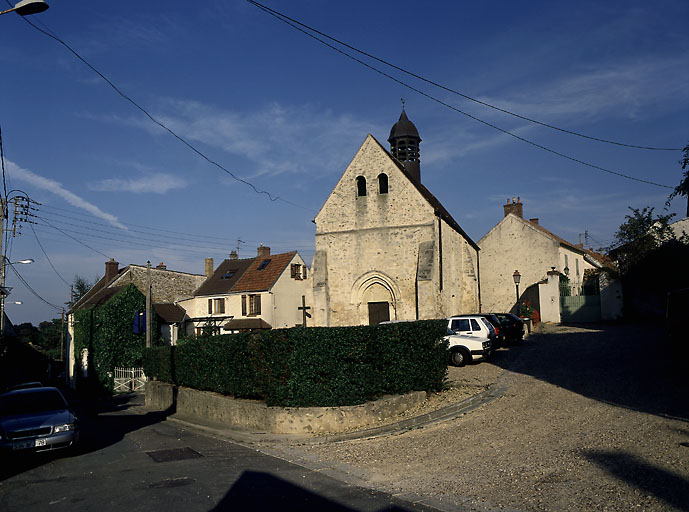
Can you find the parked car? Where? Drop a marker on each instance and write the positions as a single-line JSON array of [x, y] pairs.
[[471, 337], [500, 339], [35, 420], [23, 385], [512, 327]]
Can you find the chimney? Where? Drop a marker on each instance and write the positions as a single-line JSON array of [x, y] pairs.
[[263, 251], [234, 255], [515, 207], [209, 267], [161, 266], [111, 269], [534, 221]]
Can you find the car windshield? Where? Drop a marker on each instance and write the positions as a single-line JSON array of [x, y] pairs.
[[31, 402]]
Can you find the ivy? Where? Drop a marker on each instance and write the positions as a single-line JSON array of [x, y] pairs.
[[106, 332]]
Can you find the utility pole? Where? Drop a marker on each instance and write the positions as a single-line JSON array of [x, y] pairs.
[[149, 304]]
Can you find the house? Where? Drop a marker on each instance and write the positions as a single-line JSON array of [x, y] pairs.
[[167, 286], [386, 249], [264, 292], [548, 267]]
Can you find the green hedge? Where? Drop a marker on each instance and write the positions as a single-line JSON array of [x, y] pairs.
[[319, 366]]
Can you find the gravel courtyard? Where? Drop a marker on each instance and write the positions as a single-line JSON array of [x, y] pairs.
[[593, 418]]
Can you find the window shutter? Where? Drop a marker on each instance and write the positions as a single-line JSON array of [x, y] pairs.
[[210, 306], [222, 306], [258, 304], [305, 269], [243, 305], [293, 271]]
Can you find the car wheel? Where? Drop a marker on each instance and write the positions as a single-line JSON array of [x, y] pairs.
[[460, 357]]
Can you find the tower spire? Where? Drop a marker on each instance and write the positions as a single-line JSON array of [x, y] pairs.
[[404, 145]]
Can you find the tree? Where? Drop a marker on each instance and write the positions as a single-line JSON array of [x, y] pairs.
[[81, 286], [683, 188]]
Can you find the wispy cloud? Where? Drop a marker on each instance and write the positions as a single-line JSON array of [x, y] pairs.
[[155, 183], [55, 187]]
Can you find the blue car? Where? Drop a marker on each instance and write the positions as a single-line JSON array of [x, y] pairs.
[[35, 420]]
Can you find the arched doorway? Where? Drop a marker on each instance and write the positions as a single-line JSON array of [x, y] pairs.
[[376, 297]]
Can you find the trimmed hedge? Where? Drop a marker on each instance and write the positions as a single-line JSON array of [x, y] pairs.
[[317, 366]]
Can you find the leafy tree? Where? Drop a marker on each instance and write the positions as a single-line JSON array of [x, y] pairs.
[[81, 286], [639, 235], [683, 188]]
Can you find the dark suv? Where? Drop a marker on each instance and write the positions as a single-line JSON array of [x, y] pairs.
[[499, 334], [511, 326]]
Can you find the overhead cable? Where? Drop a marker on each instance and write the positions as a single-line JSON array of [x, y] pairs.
[[279, 15], [433, 98]]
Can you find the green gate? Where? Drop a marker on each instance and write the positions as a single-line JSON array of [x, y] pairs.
[[578, 304]]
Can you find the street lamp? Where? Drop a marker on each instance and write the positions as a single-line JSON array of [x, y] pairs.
[[5, 291], [517, 277], [26, 7]]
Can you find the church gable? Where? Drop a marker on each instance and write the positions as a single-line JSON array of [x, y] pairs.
[[373, 192]]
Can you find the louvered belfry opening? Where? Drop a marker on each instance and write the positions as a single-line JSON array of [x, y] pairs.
[[404, 145]]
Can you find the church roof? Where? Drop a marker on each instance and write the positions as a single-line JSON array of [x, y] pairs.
[[403, 128]]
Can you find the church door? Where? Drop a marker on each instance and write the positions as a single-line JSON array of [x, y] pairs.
[[378, 312]]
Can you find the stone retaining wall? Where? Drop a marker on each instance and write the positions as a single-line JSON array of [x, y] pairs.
[[255, 415]]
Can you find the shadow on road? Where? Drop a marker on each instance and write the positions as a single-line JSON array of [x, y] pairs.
[[673, 489], [101, 424], [629, 366], [255, 490]]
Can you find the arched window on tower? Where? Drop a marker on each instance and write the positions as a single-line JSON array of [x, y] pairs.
[[382, 183], [360, 186]]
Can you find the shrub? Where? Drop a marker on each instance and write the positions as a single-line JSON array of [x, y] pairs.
[[317, 366]]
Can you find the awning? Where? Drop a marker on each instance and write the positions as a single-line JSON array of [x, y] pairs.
[[244, 324]]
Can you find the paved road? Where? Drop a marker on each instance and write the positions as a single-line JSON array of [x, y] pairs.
[[593, 418], [133, 460]]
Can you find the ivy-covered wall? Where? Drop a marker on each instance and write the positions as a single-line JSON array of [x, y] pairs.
[[106, 331]]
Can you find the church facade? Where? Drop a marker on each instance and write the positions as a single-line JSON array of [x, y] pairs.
[[386, 249]]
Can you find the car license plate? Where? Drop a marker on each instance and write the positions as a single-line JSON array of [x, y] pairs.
[[23, 445]]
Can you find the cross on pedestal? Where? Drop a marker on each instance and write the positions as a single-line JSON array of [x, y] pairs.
[[303, 308]]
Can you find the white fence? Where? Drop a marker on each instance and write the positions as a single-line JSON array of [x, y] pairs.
[[129, 379]]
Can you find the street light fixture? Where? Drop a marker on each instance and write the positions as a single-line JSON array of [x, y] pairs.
[[517, 277], [26, 7], [5, 291]]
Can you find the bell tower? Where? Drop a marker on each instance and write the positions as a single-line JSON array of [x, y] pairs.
[[404, 145]]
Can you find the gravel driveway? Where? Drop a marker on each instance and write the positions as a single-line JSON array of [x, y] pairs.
[[594, 418]]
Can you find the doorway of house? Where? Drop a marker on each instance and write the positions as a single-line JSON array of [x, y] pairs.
[[378, 312]]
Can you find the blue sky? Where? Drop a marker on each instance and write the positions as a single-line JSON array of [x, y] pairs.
[[287, 114]]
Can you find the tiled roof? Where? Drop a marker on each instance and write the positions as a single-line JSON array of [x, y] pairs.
[[257, 279], [169, 313], [224, 277], [432, 200], [247, 323]]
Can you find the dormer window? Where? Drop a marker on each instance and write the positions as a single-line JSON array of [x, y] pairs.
[[263, 264], [360, 186], [227, 275], [382, 183]]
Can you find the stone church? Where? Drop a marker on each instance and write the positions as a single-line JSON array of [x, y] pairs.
[[386, 249]]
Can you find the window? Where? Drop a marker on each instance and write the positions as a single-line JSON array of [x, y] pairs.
[[263, 264], [254, 305], [227, 275], [295, 271], [577, 264], [382, 183], [216, 306], [360, 186], [243, 305], [474, 325], [461, 324]]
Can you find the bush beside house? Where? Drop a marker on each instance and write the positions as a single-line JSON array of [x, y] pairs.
[[309, 367], [106, 332]]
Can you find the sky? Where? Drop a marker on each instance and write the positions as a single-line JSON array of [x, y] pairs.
[[283, 112]]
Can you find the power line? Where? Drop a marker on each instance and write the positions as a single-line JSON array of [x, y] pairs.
[[28, 287], [46, 255], [279, 15], [159, 123], [433, 98], [76, 240]]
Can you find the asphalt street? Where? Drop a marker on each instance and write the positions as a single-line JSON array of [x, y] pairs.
[[130, 459]]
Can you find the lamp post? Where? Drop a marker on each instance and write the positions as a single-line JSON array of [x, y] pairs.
[[26, 7], [517, 277], [5, 291]]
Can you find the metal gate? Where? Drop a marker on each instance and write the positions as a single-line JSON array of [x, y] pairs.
[[129, 379], [578, 304]]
